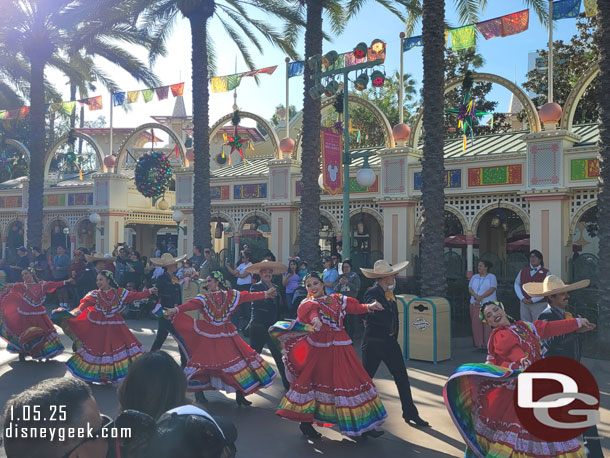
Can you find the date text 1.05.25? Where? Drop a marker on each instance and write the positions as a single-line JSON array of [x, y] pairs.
[[37, 413]]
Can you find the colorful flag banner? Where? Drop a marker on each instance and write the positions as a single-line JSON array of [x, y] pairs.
[[515, 23], [566, 9], [411, 43], [296, 68], [133, 96], [3, 114], [462, 37], [490, 29], [162, 92], [95, 103], [177, 89], [266, 71], [68, 107], [148, 94], [226, 83], [118, 98], [55, 107], [591, 8]]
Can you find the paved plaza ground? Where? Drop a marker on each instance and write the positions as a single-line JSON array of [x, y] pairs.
[[263, 434]]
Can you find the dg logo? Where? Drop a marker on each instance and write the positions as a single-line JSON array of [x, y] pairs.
[[557, 399]]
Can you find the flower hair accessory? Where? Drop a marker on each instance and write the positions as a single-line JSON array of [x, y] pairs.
[[217, 275], [498, 303], [110, 276]]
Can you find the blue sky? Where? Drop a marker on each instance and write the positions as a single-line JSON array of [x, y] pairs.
[[507, 57]]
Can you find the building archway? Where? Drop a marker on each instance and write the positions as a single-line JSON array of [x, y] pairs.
[[526, 102], [52, 156], [54, 236], [144, 127], [579, 89], [585, 244], [366, 238], [20, 162], [84, 233]]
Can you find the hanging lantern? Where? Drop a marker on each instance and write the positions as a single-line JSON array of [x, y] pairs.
[[378, 47], [219, 228], [330, 58], [331, 88], [377, 79], [315, 63], [361, 82], [360, 225], [360, 50], [316, 91]]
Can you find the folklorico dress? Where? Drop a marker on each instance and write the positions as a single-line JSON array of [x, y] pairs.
[[24, 323], [218, 358], [328, 384], [105, 345], [480, 397]]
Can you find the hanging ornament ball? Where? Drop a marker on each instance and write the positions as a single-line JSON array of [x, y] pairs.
[[550, 113], [153, 174], [190, 154], [162, 205], [287, 145], [109, 161], [401, 132]]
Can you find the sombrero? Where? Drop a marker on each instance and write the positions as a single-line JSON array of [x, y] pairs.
[[276, 267], [99, 257], [384, 269], [552, 285], [167, 259]]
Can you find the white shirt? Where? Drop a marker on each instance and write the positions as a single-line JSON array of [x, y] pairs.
[[242, 269], [481, 284], [518, 291]]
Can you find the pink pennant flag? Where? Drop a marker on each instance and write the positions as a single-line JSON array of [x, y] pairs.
[[490, 29], [266, 71], [177, 89]]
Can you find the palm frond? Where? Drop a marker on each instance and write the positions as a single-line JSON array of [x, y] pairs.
[[468, 11], [241, 45]]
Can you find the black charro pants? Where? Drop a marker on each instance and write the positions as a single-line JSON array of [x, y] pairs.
[[259, 336], [376, 350], [163, 329]]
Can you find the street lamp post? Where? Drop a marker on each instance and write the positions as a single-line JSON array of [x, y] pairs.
[[66, 232], [375, 55]]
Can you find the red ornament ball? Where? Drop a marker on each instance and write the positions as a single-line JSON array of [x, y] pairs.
[[110, 161]]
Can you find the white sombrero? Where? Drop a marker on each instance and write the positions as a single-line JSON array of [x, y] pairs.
[[552, 285], [95, 257], [384, 269], [167, 259], [276, 267]]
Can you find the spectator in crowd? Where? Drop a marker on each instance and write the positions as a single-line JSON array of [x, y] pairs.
[[336, 258], [531, 307], [303, 271], [170, 296], [135, 270], [290, 280], [482, 289], [348, 284], [171, 248], [40, 263], [209, 264], [197, 258], [244, 281], [46, 397], [158, 252], [266, 312], [122, 266], [14, 241], [20, 265], [88, 279], [330, 275], [61, 264], [187, 273]]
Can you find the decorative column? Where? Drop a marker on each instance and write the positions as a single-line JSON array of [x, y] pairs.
[[469, 256], [547, 197], [110, 201], [184, 203]]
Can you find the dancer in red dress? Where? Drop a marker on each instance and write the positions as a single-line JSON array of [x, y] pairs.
[[328, 383], [24, 323], [105, 345], [480, 397], [218, 358]]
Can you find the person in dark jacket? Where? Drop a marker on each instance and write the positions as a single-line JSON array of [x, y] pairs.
[[169, 297], [379, 342], [87, 281], [568, 345], [266, 312], [20, 265]]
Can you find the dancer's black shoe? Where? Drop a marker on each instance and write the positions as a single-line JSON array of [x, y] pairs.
[[21, 357], [374, 433], [241, 399], [417, 420], [308, 430]]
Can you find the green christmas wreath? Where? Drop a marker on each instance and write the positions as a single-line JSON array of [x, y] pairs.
[[153, 174]]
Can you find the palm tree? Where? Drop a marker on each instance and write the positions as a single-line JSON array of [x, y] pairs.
[[40, 33], [237, 21], [603, 198], [338, 13]]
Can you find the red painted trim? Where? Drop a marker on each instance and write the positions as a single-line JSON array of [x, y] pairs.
[[548, 197], [397, 204]]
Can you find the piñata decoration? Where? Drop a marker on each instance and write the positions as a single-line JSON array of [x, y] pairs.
[[235, 141], [467, 113], [153, 174]]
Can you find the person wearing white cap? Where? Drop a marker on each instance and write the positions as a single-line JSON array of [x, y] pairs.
[[379, 342]]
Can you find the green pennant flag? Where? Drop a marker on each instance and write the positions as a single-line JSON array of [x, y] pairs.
[[147, 94], [68, 107], [463, 37]]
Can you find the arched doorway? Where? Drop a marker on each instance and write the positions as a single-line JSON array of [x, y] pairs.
[[585, 247], [85, 234], [58, 234], [256, 232], [367, 239], [14, 239], [328, 236], [223, 240]]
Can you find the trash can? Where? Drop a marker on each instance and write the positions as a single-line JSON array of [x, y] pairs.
[[403, 300], [427, 329]]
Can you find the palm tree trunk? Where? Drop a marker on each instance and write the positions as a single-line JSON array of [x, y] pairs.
[[603, 198], [37, 152], [201, 134], [309, 233], [434, 282]]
